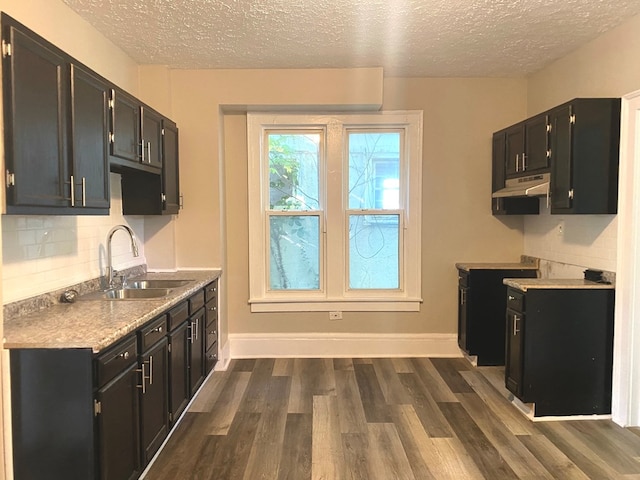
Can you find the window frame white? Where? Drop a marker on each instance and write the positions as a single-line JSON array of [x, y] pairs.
[[335, 293]]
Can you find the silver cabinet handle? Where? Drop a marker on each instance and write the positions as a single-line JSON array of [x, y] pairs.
[[84, 192], [150, 369], [125, 355], [511, 297], [143, 386], [516, 330], [73, 191], [517, 162], [524, 162], [149, 152], [197, 327]]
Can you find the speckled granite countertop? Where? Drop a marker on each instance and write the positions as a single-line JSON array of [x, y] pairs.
[[96, 324], [524, 284], [496, 266]]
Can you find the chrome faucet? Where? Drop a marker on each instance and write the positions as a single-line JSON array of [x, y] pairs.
[[134, 249]]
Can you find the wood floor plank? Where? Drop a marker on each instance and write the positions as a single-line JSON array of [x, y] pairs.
[[283, 367], [242, 365], [343, 364], [482, 451], [255, 397], [209, 393], [232, 450], [430, 415], [556, 462], [517, 423], [402, 365], [295, 459], [450, 369], [386, 456], [525, 465], [327, 459], [352, 416], [373, 401], [221, 415], [355, 447], [266, 450], [312, 376], [392, 389], [576, 450], [428, 374]]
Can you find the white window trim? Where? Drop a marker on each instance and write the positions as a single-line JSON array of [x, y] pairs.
[[335, 295]]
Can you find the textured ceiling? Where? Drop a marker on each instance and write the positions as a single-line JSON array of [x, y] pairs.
[[458, 38]]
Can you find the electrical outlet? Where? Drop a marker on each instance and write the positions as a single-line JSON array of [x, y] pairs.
[[335, 315]]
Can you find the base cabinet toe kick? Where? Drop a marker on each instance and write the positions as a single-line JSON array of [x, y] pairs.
[[76, 414]]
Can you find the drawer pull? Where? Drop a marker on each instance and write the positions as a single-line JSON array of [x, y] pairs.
[[125, 355], [157, 330], [516, 330], [511, 298]]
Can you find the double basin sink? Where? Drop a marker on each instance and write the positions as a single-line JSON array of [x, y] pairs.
[[138, 290]]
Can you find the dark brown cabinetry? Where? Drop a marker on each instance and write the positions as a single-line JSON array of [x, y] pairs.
[[180, 391], [527, 147], [211, 314], [154, 401], [117, 412], [481, 307], [585, 141], [196, 350], [125, 143], [61, 166], [507, 205], [559, 349], [170, 168]]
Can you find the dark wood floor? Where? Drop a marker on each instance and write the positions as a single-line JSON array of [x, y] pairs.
[[384, 419]]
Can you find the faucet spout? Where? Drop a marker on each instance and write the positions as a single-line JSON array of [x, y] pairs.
[[134, 249]]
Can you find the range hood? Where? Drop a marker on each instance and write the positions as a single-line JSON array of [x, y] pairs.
[[531, 186]]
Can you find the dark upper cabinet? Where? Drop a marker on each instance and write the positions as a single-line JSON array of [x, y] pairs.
[[125, 141], [170, 168], [506, 205], [585, 141], [55, 118], [527, 147], [151, 137], [89, 137]]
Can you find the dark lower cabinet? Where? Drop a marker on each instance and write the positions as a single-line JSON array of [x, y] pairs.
[[80, 415], [560, 349], [118, 423], [481, 307]]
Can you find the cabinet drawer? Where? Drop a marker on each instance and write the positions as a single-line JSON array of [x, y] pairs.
[[212, 312], [515, 300], [211, 291], [177, 315], [153, 332], [196, 301], [115, 360], [211, 357], [212, 335]]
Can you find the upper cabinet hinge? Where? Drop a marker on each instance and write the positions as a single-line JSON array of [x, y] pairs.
[[112, 137], [163, 132], [11, 179], [549, 128], [97, 408], [572, 119], [111, 102], [571, 194], [6, 49], [548, 153], [169, 350]]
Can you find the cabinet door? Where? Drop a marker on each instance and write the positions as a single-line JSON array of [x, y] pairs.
[[537, 144], [153, 399], [514, 149], [514, 363], [151, 138], [118, 427], [179, 389], [561, 151], [89, 133], [125, 127], [170, 168], [35, 84], [196, 350]]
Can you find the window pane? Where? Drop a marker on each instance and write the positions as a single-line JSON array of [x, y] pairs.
[[374, 167], [293, 171], [295, 254], [373, 251]]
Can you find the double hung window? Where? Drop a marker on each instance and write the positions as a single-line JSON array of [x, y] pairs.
[[334, 211]]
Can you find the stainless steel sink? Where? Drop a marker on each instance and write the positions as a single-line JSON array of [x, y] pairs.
[[127, 294], [162, 283]]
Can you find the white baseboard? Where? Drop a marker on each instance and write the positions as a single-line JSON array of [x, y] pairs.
[[317, 345]]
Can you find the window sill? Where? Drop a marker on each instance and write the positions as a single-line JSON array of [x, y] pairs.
[[387, 305]]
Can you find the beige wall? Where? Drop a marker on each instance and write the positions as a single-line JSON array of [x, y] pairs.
[[460, 115]]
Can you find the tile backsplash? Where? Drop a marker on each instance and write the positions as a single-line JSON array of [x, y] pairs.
[[579, 240], [45, 253]]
